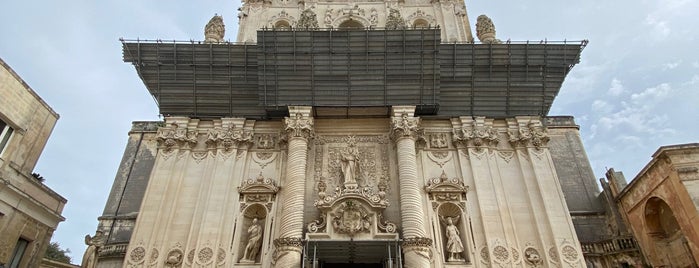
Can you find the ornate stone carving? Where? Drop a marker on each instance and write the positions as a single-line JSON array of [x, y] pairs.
[[174, 258], [221, 256], [444, 189], [265, 141], [205, 255], [405, 126], [485, 30], [569, 253], [501, 254], [175, 137], [154, 254], [308, 20], [214, 30], [419, 14], [553, 255], [374, 17], [258, 186], [417, 242], [328, 20], [137, 255], [229, 138], [285, 245], [386, 226], [394, 21], [282, 16], [515, 255], [299, 126], [94, 244], [350, 218], [317, 225], [477, 132], [532, 256], [438, 140], [485, 255], [533, 134]]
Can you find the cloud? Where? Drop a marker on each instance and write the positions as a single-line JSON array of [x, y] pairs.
[[671, 65], [600, 106], [654, 93], [616, 88], [659, 27]]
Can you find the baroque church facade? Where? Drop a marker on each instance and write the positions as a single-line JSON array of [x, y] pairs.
[[343, 134]]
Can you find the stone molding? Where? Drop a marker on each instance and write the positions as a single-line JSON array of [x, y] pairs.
[[476, 132], [527, 132]]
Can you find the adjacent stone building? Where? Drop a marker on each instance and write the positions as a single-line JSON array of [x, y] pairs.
[[335, 134], [29, 210], [661, 206]]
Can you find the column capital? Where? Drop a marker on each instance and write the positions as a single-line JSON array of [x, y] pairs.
[[299, 123], [527, 131], [404, 124]]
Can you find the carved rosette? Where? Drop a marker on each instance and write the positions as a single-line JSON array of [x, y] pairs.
[[405, 126], [526, 134], [214, 30], [174, 137], [299, 126], [532, 257], [475, 132], [307, 20], [485, 30]]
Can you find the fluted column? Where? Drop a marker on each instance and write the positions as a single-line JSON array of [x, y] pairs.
[[416, 243], [288, 246]]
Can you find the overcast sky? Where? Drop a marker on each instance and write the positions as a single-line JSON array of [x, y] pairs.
[[634, 90]]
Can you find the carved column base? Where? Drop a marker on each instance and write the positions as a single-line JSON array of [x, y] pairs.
[[287, 253], [417, 252]]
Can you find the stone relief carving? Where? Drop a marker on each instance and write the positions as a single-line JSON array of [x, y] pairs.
[[174, 137], [405, 126], [374, 17], [137, 255], [328, 17], [266, 141], [174, 258], [553, 255], [419, 14], [444, 189], [438, 140], [569, 253], [214, 30], [252, 247], [349, 166], [154, 254], [285, 245], [394, 21], [485, 30], [349, 218], [205, 255], [440, 158], [229, 138], [307, 20], [533, 134], [515, 255], [501, 254], [532, 257]]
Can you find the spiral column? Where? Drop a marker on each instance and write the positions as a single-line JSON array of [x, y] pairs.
[[288, 246], [416, 244]]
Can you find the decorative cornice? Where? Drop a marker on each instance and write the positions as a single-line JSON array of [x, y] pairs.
[[475, 132], [229, 138], [445, 185], [259, 185], [176, 137], [417, 242], [531, 133]]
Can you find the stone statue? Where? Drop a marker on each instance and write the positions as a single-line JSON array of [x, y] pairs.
[[454, 245], [329, 17], [214, 30], [485, 30], [349, 165], [93, 244], [254, 242], [394, 21]]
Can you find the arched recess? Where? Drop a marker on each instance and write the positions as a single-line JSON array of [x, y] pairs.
[[350, 22], [660, 220], [421, 24], [454, 233], [282, 25]]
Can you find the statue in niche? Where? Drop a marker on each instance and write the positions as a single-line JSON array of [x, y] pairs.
[[254, 242], [454, 245], [348, 163]]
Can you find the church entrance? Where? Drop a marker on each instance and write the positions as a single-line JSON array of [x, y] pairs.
[[352, 254]]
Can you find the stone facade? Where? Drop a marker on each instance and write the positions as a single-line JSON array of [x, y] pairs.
[[305, 187], [661, 206], [29, 210]]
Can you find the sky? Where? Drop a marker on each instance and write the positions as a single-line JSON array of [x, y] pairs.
[[635, 89]]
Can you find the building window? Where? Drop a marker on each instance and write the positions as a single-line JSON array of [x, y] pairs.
[[5, 133], [16, 257]]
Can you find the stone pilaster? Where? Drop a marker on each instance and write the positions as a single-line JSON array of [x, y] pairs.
[[416, 245], [299, 128]]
